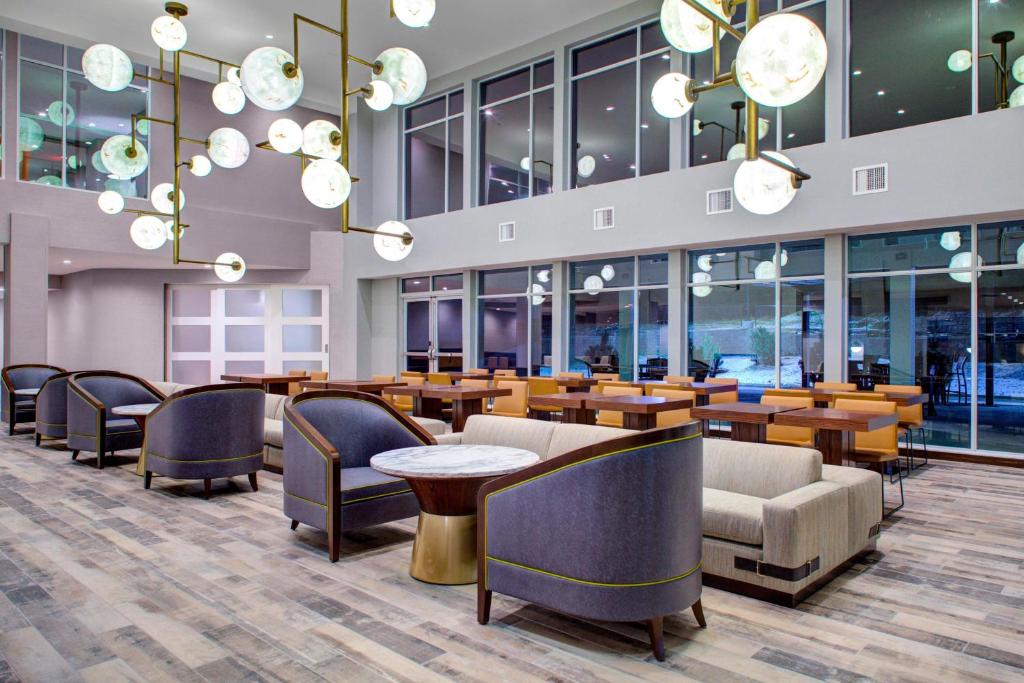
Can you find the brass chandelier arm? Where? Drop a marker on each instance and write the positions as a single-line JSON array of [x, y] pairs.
[[215, 60], [720, 81], [406, 237], [753, 110], [152, 79], [147, 212], [234, 265], [724, 25], [292, 69], [798, 175], [376, 67]]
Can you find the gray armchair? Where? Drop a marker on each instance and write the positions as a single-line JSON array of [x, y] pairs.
[[329, 438], [611, 532], [15, 408], [207, 432], [52, 408], [91, 426]]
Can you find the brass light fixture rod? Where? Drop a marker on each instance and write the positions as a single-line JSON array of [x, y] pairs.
[[235, 265], [724, 25], [406, 237], [753, 16], [215, 60]]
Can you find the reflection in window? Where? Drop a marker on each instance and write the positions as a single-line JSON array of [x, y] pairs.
[[912, 250], [64, 121], [732, 334], [899, 73], [999, 23], [514, 312], [433, 156], [612, 80], [802, 333], [1001, 243], [652, 348], [601, 333], [512, 149], [1000, 360]]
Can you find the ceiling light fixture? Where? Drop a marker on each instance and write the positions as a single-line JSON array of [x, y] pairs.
[[962, 60]]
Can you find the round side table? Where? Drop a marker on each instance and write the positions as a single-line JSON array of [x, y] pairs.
[[446, 480]]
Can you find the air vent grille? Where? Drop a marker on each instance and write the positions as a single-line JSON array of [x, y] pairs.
[[507, 232], [871, 179], [719, 201], [604, 219]]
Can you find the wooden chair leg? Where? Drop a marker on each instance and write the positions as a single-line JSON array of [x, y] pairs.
[[207, 487], [74, 454], [295, 524], [39, 438], [698, 614], [334, 545], [148, 480], [252, 481], [483, 604], [656, 631]]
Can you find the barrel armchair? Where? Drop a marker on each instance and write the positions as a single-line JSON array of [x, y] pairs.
[[329, 438], [52, 408], [14, 407], [206, 432], [91, 426], [573, 535]]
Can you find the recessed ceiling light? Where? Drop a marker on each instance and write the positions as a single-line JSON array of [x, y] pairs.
[[666, 56], [791, 136], [42, 113], [606, 157], [488, 112], [610, 107], [857, 72], [901, 112], [645, 126], [270, 36], [632, 167], [703, 156], [67, 262], [121, 124], [880, 93]]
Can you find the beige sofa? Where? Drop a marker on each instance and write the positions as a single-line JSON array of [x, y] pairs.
[[273, 425], [777, 524]]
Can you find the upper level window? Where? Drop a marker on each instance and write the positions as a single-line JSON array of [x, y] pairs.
[[64, 120], [999, 22], [517, 118], [911, 250], [616, 133], [433, 156], [1, 99]]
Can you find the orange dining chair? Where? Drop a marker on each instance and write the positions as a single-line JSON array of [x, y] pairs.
[[725, 396], [800, 393], [606, 376], [294, 387], [383, 379], [405, 403], [510, 372], [318, 376], [442, 378], [855, 396], [877, 448], [671, 418], [802, 437], [613, 418], [679, 379], [541, 386], [514, 405], [478, 384], [651, 387], [836, 386], [571, 375]]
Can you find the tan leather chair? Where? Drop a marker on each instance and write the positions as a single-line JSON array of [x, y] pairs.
[[836, 386], [878, 447], [540, 386], [800, 393], [405, 403], [726, 396], [514, 405], [383, 379], [671, 418], [318, 376], [572, 375], [911, 418], [855, 396], [479, 384], [606, 376], [802, 437], [679, 379], [410, 373], [511, 372], [442, 378], [613, 418], [651, 387], [294, 387]]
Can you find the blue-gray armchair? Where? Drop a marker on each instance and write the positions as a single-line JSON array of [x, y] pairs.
[[329, 438], [52, 408], [15, 407], [91, 426], [611, 532], [207, 432]]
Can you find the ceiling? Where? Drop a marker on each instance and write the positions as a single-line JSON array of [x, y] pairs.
[[462, 33], [65, 261]]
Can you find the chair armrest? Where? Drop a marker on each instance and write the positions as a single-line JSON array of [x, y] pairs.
[[453, 439], [810, 522], [312, 466], [86, 415]]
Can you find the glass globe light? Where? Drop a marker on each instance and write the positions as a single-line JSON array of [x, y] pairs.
[[737, 151], [763, 126], [326, 183], [704, 263], [607, 273], [162, 198], [73, 162], [200, 166], [51, 180], [110, 202], [586, 166], [698, 127], [107, 67], [142, 127], [405, 72], [30, 134], [781, 60], [230, 267], [669, 95], [169, 227], [228, 148], [765, 270], [702, 290], [1020, 255], [524, 163], [97, 162], [762, 187], [414, 13], [593, 285], [950, 241], [536, 293], [785, 258], [116, 157], [60, 113], [168, 33], [960, 61], [1017, 97], [264, 80], [228, 98], [687, 29], [317, 140], [234, 75], [285, 136], [148, 232], [381, 95], [387, 243], [544, 275]]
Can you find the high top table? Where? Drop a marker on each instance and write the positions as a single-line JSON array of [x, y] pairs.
[[574, 410], [446, 480], [428, 401], [572, 384], [749, 420], [822, 397], [704, 391], [835, 428], [272, 384], [638, 412]]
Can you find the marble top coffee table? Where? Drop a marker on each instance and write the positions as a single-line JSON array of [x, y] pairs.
[[139, 411], [446, 480]]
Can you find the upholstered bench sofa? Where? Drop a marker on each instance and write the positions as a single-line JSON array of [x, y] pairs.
[[273, 425], [546, 439]]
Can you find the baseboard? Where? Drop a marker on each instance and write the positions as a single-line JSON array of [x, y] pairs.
[[974, 458]]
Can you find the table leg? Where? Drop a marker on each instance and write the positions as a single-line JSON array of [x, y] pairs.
[[705, 428], [432, 408], [573, 390], [834, 445], [444, 551], [579, 416], [140, 469], [278, 389], [639, 421], [749, 432], [463, 410]]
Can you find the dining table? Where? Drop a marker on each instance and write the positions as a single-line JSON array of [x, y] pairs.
[[572, 384], [749, 421], [271, 383], [835, 428], [824, 397], [428, 400], [365, 386], [572, 404], [638, 412], [704, 392]]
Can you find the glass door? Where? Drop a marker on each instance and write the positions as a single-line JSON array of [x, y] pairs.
[[433, 334]]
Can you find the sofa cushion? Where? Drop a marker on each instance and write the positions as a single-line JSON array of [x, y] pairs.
[[757, 469], [733, 516], [274, 406], [514, 432], [122, 425], [569, 437], [433, 427], [365, 483], [273, 432]]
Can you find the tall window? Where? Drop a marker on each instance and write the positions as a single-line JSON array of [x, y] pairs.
[[2, 99], [616, 133], [755, 321], [514, 309], [994, 20], [517, 119], [719, 116], [910, 321], [64, 121], [433, 156], [610, 299]]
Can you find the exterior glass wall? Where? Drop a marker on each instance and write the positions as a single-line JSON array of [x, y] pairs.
[[433, 156], [514, 320]]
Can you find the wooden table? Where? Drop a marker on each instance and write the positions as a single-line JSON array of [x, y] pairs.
[[428, 401], [572, 384], [638, 412], [574, 410], [835, 428], [704, 391], [446, 480], [457, 376], [31, 393], [822, 397], [749, 420], [366, 386], [272, 384], [139, 411]]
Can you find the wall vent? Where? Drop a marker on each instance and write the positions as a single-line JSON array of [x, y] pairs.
[[871, 179], [507, 232], [719, 201], [604, 219]]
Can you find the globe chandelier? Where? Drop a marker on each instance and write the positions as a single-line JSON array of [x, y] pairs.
[[780, 60], [962, 60]]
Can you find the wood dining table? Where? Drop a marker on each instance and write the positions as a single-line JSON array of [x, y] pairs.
[[365, 386], [571, 384], [272, 384], [428, 401], [704, 391], [638, 412], [749, 420], [823, 397], [572, 404], [835, 428]]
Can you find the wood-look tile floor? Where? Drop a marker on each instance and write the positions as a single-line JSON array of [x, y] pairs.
[[104, 581]]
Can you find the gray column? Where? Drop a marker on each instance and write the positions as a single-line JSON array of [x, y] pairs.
[[835, 73], [564, 158], [559, 317], [26, 290], [676, 319], [835, 309], [469, 327]]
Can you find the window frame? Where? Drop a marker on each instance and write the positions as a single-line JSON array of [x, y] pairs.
[[549, 294], [447, 119]]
